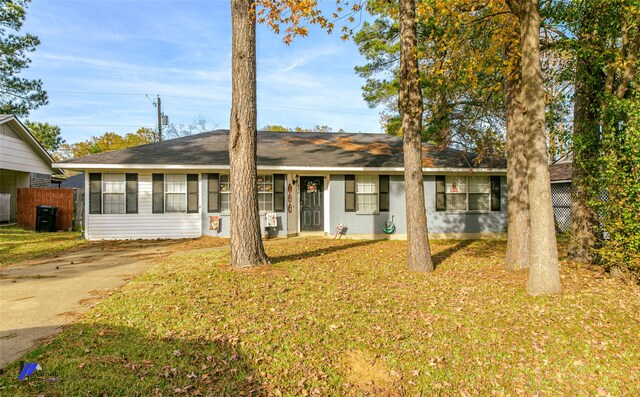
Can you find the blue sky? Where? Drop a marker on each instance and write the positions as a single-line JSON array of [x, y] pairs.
[[98, 58]]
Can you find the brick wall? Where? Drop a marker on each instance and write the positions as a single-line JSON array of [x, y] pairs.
[[39, 180]]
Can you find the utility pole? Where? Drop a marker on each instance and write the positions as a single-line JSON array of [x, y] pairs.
[[159, 119]]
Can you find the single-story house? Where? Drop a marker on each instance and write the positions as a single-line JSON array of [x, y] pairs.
[[560, 174], [312, 182], [23, 163]]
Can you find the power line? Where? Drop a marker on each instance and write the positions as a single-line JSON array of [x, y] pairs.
[[216, 101], [102, 125]]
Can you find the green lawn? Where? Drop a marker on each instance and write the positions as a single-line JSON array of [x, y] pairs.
[[17, 245], [345, 318]]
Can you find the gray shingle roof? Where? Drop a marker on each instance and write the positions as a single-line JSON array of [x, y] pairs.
[[294, 149], [74, 181]]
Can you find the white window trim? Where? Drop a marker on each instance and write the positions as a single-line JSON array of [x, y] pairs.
[[123, 193], [264, 192], [375, 182], [184, 194], [467, 193], [226, 193]]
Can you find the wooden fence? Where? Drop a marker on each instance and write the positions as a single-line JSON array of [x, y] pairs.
[[29, 198]]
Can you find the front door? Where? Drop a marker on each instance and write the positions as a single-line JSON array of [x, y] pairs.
[[311, 203]]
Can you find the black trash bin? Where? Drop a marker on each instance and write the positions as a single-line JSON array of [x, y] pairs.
[[46, 218]]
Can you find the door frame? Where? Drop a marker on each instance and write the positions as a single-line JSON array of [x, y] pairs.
[[325, 201]]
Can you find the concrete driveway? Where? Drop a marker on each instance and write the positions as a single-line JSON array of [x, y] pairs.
[[38, 297]]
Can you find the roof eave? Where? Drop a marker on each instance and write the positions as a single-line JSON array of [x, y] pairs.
[[431, 170]]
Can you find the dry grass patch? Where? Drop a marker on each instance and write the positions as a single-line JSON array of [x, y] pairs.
[[18, 245], [344, 317]]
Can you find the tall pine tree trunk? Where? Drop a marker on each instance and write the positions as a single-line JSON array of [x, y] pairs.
[[544, 274], [410, 105], [518, 231], [246, 242]]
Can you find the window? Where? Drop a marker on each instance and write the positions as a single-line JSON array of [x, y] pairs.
[[113, 193], [366, 193], [270, 189], [467, 193], [225, 193], [175, 193], [265, 193]]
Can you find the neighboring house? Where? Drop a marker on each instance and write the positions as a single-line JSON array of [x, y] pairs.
[[73, 182], [23, 162], [312, 182], [560, 175]]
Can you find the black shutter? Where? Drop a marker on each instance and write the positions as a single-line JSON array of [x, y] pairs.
[[441, 197], [383, 182], [132, 193], [495, 193], [278, 192], [95, 193], [349, 193], [192, 193], [158, 193], [213, 193]]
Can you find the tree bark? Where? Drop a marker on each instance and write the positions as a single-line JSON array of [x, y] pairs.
[[518, 231], [586, 144], [410, 106], [246, 242], [544, 273]]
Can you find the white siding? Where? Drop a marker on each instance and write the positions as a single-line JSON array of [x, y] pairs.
[[143, 225], [10, 182], [17, 155]]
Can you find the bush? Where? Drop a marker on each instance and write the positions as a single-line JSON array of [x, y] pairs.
[[618, 198]]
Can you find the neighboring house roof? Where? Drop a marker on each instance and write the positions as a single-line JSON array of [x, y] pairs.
[[280, 150], [74, 182], [24, 134], [560, 172]]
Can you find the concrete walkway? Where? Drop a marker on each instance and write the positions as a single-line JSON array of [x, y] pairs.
[[38, 297]]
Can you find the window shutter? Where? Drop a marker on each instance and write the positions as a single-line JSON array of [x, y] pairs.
[[132, 193], [441, 197], [349, 193], [383, 181], [213, 194], [278, 192], [95, 193], [158, 193], [192, 193], [495, 193]]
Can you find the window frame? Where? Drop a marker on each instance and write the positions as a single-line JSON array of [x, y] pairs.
[[128, 189], [121, 193], [225, 195], [268, 191], [373, 183], [469, 190], [273, 186], [160, 193], [166, 193]]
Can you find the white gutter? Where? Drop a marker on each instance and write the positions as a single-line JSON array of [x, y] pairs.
[[203, 167]]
